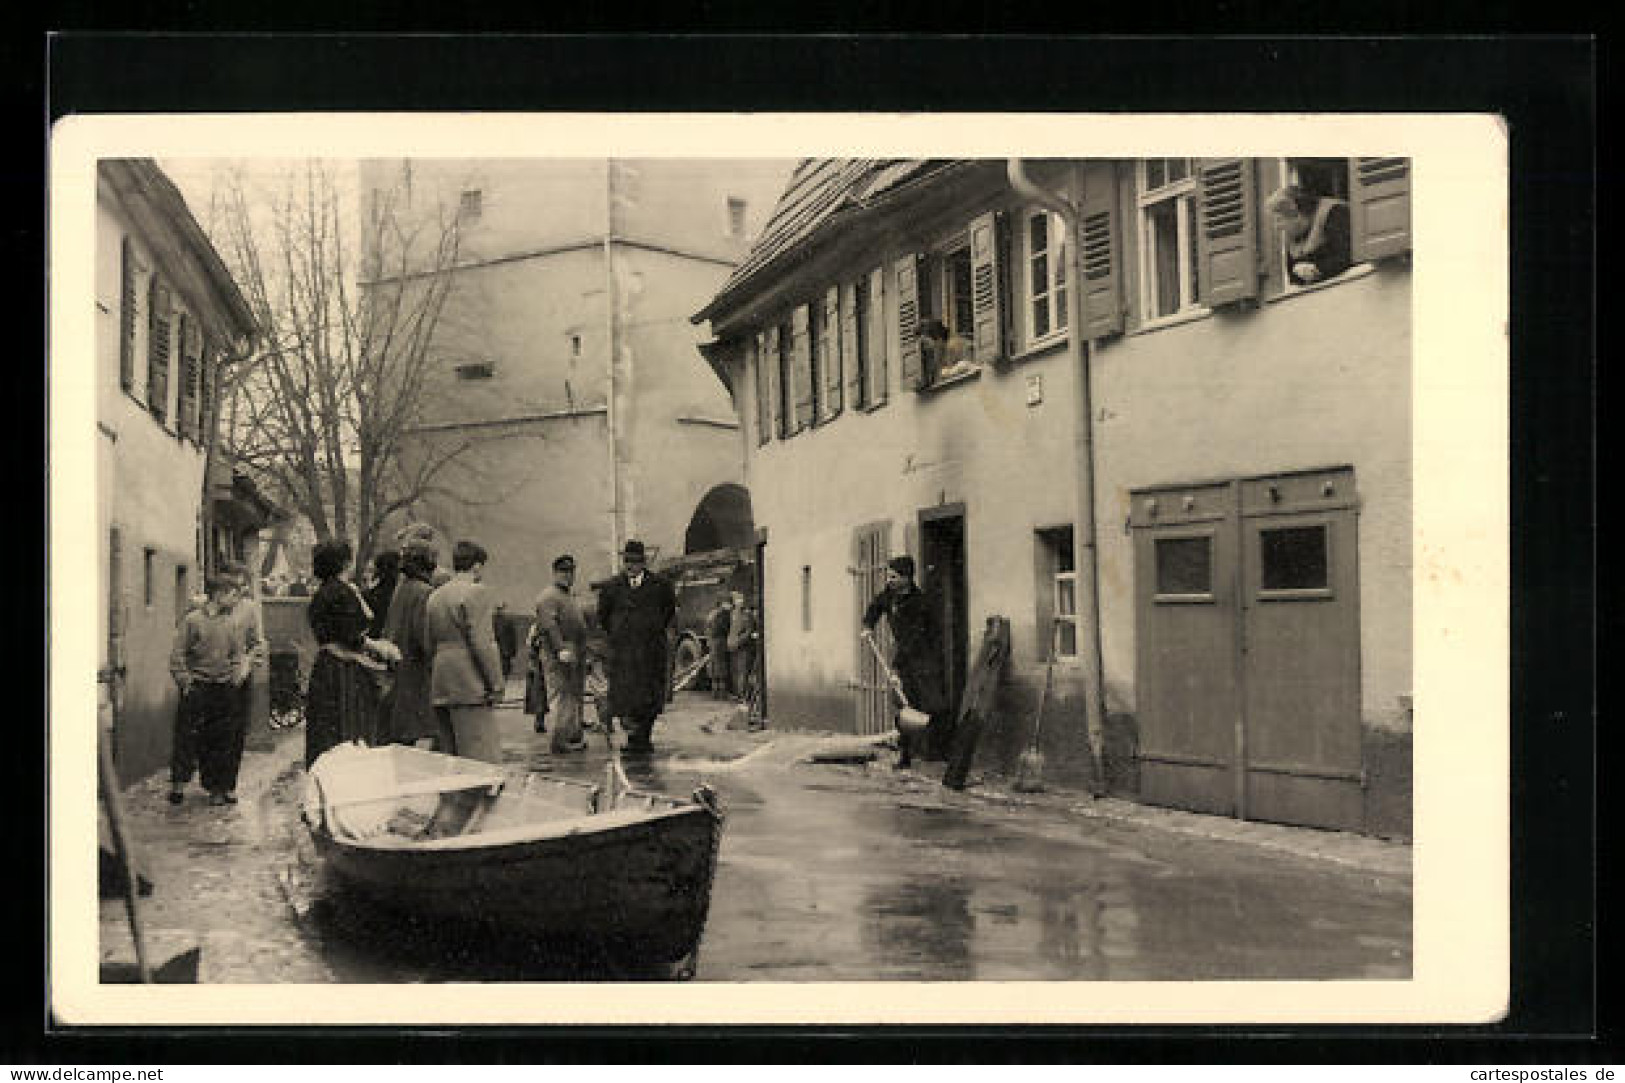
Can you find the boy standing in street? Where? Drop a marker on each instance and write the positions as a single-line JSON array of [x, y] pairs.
[[209, 664]]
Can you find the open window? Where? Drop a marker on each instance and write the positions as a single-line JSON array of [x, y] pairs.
[[1057, 608], [959, 285]]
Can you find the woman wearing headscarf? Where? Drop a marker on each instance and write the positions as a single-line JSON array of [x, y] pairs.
[[341, 703]]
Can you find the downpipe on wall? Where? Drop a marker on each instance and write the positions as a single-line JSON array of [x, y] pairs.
[[1083, 524]]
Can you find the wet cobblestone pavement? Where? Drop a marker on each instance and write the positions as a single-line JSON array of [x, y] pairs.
[[828, 872]]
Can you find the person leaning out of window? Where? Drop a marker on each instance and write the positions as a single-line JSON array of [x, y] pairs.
[[945, 353], [1316, 230]]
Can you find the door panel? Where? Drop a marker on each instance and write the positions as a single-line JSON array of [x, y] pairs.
[[1185, 556], [1300, 659]]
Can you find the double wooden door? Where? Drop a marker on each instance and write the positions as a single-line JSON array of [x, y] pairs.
[[1247, 657]]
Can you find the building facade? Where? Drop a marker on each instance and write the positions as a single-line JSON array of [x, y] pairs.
[[565, 365], [1249, 439], [167, 312]]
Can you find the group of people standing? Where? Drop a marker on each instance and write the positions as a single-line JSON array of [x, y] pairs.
[[410, 659], [731, 636]]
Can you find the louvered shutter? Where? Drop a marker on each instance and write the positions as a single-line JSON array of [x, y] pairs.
[[852, 366], [1227, 230], [764, 408], [208, 388], [876, 344], [987, 322], [832, 354], [1379, 207], [773, 365], [192, 388], [908, 322], [1102, 274], [126, 315], [801, 376], [183, 349], [158, 347]]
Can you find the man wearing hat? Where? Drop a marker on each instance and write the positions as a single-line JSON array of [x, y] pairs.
[[917, 654], [560, 637], [635, 608]]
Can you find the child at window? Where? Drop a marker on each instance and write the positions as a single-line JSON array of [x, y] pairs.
[[944, 351], [1316, 229]]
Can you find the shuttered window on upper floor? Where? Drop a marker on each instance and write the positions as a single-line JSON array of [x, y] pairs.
[[831, 355], [127, 306], [158, 348]]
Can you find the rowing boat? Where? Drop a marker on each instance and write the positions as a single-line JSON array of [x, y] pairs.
[[604, 866]]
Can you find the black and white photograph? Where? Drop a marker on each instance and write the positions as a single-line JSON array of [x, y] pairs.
[[566, 570]]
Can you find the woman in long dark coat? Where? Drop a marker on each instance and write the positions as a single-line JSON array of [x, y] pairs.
[[341, 703], [411, 715]]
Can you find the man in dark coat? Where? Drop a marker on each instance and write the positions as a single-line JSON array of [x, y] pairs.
[[634, 609], [917, 655]]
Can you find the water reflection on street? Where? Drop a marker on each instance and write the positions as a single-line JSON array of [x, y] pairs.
[[840, 874]]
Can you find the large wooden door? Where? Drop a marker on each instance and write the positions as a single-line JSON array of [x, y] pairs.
[[1247, 657], [1300, 650], [1186, 599], [942, 577]]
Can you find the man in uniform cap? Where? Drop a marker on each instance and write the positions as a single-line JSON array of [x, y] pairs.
[[560, 638], [917, 653], [634, 609]]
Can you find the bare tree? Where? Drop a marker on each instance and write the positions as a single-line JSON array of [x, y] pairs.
[[331, 411]]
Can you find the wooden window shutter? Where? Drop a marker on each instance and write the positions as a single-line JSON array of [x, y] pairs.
[[986, 318], [801, 366], [1227, 230], [1102, 264], [158, 350], [208, 391], [191, 415], [831, 352], [126, 315], [908, 322], [764, 400], [1379, 207], [773, 364], [874, 363], [183, 405], [852, 366]]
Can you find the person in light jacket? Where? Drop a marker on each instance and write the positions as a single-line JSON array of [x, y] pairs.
[[561, 651], [466, 680]]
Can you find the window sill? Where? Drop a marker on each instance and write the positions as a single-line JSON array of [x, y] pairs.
[[969, 374], [1178, 319], [871, 407], [1049, 345], [1358, 271]]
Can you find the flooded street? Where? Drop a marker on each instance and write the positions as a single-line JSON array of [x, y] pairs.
[[828, 872]]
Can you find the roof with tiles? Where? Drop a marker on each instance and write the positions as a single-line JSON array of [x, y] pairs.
[[820, 193]]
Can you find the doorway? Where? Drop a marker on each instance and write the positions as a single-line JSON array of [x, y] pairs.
[[942, 578], [1248, 648]]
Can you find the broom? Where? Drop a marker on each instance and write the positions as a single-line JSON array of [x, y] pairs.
[[909, 720], [1030, 765]]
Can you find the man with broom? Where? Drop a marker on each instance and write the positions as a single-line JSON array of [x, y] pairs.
[[916, 659]]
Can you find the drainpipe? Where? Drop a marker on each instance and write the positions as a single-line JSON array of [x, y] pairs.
[[1083, 524], [613, 344]]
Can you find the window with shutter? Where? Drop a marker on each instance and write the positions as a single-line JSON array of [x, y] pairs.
[[158, 347], [1380, 207], [987, 320], [1227, 239], [764, 390], [185, 328], [830, 358], [801, 374], [906, 271], [126, 315], [854, 296], [773, 363], [1044, 260], [876, 346], [1102, 275], [1170, 268]]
